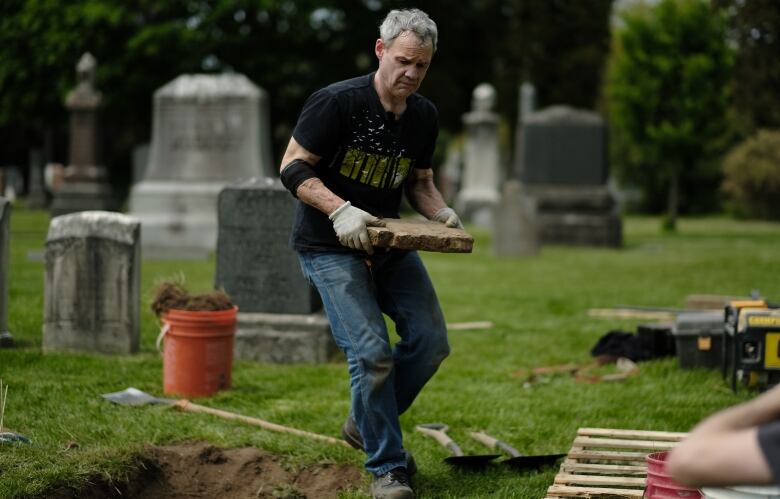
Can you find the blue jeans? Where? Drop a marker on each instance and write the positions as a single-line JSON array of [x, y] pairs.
[[384, 379]]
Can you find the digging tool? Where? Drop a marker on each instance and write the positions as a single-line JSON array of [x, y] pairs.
[[134, 396], [438, 432], [517, 461]]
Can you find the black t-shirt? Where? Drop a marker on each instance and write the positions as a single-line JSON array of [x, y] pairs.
[[769, 441], [367, 153]]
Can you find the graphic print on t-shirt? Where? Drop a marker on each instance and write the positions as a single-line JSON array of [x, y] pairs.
[[373, 156]]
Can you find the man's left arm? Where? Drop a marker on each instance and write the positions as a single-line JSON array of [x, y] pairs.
[[427, 200]]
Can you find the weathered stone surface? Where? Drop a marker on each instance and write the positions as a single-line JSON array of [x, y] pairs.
[[91, 295], [424, 235], [284, 338], [255, 264], [5, 223]]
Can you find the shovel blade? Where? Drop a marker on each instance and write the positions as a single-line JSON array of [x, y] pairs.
[[532, 462], [134, 396], [471, 462]]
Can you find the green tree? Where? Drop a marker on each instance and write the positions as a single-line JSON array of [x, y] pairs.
[[754, 27], [668, 94]]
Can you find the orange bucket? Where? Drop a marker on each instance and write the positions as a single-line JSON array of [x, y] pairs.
[[198, 353]]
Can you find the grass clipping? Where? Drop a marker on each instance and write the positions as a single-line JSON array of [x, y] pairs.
[[174, 296]]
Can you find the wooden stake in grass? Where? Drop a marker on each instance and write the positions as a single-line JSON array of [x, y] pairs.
[[3, 399]]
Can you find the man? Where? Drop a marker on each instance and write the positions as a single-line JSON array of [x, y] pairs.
[[357, 143], [737, 446]]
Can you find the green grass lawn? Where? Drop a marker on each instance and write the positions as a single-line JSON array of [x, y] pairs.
[[539, 308]]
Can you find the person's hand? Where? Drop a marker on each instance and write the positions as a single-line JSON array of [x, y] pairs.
[[350, 225], [448, 217]]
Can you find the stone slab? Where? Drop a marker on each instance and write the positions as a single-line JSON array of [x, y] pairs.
[[423, 235], [284, 338]]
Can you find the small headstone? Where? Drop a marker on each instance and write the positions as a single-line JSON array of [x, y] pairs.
[[6, 340], [255, 264], [481, 166], [140, 160], [515, 228], [91, 295], [207, 133], [279, 313]]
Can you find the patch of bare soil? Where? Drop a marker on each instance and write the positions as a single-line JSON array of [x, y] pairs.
[[200, 470]]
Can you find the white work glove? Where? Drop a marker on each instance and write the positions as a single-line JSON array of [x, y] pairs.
[[448, 217], [350, 224]]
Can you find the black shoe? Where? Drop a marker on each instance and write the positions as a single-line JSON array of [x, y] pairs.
[[392, 485], [352, 436]]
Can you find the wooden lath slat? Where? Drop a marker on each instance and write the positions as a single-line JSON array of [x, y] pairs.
[[602, 455], [615, 443], [616, 469], [568, 479], [632, 434], [566, 491]]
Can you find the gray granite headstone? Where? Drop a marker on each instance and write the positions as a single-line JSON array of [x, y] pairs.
[[481, 166], [562, 145], [208, 131], [91, 295], [5, 221], [255, 264], [515, 228], [564, 167], [279, 317]]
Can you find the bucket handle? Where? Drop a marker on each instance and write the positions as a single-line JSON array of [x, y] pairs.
[[160, 336]]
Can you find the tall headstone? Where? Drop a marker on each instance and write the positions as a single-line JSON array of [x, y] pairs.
[[91, 295], [481, 168], [6, 340], [207, 132], [564, 166], [515, 228], [279, 318], [85, 185]]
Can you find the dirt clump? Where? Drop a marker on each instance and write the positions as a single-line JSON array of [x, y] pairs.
[[201, 470], [174, 296]]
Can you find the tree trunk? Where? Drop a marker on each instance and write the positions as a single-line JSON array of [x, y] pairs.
[[670, 223]]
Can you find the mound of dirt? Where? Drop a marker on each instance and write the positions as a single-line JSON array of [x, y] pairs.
[[200, 470], [173, 296]]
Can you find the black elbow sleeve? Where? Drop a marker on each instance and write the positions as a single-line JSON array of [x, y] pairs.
[[295, 173]]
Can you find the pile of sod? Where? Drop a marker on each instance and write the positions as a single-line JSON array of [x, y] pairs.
[[539, 310]]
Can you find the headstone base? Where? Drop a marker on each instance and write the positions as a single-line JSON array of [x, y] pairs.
[[73, 197], [581, 230], [477, 207], [578, 216], [66, 336], [177, 215], [284, 338]]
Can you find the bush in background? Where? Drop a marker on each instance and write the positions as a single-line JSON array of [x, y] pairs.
[[752, 176]]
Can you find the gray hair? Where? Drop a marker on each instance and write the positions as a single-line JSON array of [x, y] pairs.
[[414, 20]]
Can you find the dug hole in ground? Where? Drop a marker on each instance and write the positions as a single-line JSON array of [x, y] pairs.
[[199, 469]]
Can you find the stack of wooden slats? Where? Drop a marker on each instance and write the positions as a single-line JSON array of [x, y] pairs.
[[609, 463]]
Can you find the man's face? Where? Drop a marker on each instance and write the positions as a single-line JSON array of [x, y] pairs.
[[402, 65]]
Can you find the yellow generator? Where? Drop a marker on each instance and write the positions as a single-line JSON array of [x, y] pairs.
[[754, 346]]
